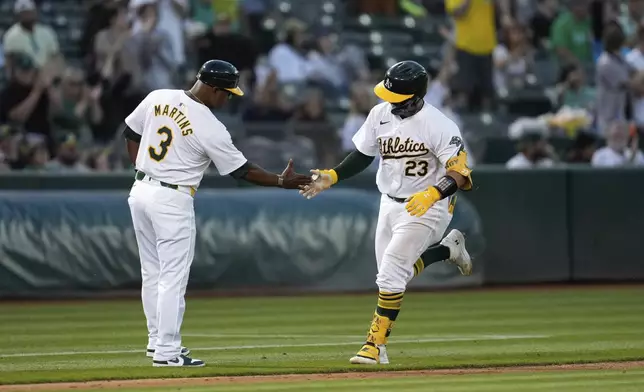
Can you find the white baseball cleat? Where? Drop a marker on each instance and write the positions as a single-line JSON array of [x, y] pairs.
[[383, 358], [150, 352], [358, 360], [368, 353], [458, 255], [181, 360]]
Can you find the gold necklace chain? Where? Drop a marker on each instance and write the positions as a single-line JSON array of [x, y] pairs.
[[191, 95]]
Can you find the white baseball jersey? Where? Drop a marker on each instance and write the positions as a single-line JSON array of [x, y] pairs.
[[179, 139], [413, 151]]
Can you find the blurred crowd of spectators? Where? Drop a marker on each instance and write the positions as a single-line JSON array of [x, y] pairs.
[[596, 46], [63, 114]]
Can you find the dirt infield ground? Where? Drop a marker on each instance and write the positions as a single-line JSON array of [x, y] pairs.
[[185, 382]]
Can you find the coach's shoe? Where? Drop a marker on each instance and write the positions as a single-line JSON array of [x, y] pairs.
[[181, 360], [458, 255], [150, 352], [368, 355]]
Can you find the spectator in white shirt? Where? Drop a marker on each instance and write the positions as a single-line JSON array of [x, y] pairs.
[[288, 58], [325, 67], [438, 93], [635, 58], [513, 58], [534, 152], [153, 47], [171, 17], [362, 100], [361, 104], [32, 38], [617, 151]]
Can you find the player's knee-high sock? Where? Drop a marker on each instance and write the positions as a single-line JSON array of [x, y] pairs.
[[383, 321], [387, 310], [432, 255]]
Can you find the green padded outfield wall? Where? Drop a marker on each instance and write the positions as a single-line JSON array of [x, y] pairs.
[[79, 242], [607, 224], [573, 224]]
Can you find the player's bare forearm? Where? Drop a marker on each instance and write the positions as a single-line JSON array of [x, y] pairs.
[[133, 140], [254, 174], [461, 180], [258, 176], [132, 150]]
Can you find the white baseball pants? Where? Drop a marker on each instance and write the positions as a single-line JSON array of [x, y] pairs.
[[402, 238], [164, 224]]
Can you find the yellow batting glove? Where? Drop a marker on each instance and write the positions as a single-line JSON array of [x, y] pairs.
[[419, 203], [322, 180], [331, 173]]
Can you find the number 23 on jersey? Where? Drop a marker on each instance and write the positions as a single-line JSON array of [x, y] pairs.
[[416, 168], [158, 153]]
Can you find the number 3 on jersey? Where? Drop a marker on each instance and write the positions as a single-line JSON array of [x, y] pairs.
[[416, 168], [163, 146]]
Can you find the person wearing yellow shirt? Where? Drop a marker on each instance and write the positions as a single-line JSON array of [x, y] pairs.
[[474, 41]]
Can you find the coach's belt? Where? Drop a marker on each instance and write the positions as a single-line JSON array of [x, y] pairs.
[[397, 199], [140, 176]]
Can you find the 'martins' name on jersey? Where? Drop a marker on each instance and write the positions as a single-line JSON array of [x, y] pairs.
[[413, 151], [179, 139], [176, 115]]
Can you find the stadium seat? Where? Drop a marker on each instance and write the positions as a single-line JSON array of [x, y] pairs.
[[262, 151], [270, 130], [300, 149], [358, 38], [232, 122], [392, 38], [485, 125], [337, 118], [293, 90], [546, 71], [530, 103], [311, 12]]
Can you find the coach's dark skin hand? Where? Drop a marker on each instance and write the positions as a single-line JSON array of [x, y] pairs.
[[293, 180], [261, 177]]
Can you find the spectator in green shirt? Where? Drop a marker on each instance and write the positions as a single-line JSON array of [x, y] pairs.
[[571, 34]]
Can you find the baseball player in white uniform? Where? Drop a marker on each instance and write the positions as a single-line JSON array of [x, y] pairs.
[[172, 137], [422, 165]]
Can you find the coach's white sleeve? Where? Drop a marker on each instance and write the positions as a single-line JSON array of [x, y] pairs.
[[365, 139], [136, 119], [219, 147]]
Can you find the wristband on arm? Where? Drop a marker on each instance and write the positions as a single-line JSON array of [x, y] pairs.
[[446, 186]]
